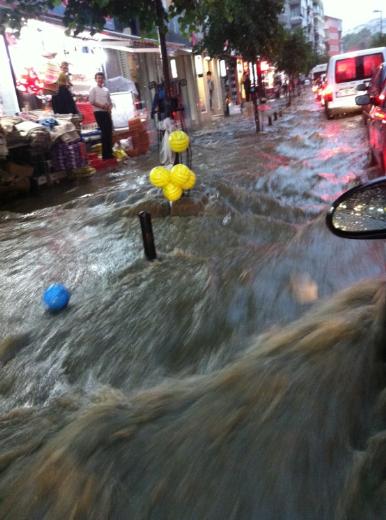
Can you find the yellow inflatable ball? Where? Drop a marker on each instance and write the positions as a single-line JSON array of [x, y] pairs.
[[178, 141], [191, 182], [159, 176], [179, 175], [172, 192]]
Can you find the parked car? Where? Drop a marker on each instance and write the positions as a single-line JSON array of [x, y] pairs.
[[374, 88], [344, 73], [376, 127]]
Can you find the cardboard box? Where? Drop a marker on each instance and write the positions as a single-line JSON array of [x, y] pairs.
[[19, 170], [20, 186]]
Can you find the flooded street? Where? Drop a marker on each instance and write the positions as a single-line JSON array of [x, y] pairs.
[[282, 431]]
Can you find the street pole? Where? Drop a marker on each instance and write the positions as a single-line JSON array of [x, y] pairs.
[[13, 75], [255, 99], [162, 41]]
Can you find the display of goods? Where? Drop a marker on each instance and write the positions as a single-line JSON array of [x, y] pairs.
[[68, 156], [29, 82], [87, 112]]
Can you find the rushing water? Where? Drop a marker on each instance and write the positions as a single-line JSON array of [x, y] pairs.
[[151, 396]]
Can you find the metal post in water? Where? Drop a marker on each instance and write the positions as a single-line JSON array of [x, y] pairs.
[[275, 116], [269, 120], [147, 235]]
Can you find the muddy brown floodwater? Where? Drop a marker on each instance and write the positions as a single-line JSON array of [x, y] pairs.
[[181, 388]]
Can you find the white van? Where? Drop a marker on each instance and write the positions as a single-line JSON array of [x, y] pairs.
[[344, 73], [318, 71]]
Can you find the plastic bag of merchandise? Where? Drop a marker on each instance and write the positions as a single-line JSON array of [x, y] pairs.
[[166, 126]]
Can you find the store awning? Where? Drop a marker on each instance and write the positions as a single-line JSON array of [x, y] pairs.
[[126, 46]]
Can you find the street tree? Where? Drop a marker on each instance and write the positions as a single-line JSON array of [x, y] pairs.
[[378, 40], [80, 15], [294, 55], [233, 27], [357, 40], [247, 27]]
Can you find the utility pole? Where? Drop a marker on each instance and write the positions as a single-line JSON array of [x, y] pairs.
[[162, 41]]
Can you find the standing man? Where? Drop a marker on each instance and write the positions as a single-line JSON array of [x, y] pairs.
[[100, 100], [210, 84]]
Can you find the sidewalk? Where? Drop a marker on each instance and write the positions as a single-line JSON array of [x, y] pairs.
[[136, 169]]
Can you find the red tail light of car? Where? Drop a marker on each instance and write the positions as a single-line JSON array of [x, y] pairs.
[[327, 93], [379, 99]]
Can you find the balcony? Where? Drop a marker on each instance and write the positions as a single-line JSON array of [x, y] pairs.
[[296, 19]]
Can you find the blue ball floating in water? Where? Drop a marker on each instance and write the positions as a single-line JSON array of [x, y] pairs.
[[56, 297]]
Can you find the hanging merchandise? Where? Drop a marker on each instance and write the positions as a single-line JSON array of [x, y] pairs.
[[29, 82], [51, 76]]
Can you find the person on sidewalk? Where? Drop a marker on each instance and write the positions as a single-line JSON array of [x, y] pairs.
[[210, 88], [63, 101], [100, 100]]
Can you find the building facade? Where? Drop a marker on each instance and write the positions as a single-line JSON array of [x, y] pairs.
[[307, 15], [333, 35]]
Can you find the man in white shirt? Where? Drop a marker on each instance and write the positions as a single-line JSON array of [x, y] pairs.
[[99, 97]]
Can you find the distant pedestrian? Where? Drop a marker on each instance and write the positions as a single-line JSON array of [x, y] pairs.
[[210, 84], [102, 105], [246, 81]]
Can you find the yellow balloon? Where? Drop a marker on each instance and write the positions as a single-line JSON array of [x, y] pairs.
[[179, 175], [190, 182], [178, 141], [172, 192], [159, 176]]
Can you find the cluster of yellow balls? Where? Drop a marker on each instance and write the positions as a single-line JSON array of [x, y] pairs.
[[173, 182]]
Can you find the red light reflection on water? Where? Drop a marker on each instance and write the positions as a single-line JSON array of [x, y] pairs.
[[324, 155], [272, 161], [331, 179], [331, 197]]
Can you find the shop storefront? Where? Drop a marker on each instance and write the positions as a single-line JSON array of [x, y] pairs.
[[35, 135], [210, 84], [38, 146]]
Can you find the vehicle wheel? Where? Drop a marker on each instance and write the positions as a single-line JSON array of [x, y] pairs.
[[327, 111]]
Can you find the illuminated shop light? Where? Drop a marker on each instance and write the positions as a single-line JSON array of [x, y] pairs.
[[198, 64], [173, 66], [223, 69]]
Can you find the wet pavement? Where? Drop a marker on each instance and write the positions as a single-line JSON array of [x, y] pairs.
[[256, 256]]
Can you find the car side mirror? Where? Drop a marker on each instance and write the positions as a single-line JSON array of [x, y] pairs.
[[360, 212], [363, 100], [361, 87]]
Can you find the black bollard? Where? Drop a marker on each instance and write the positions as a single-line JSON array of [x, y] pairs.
[[269, 120], [275, 116], [147, 235]]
